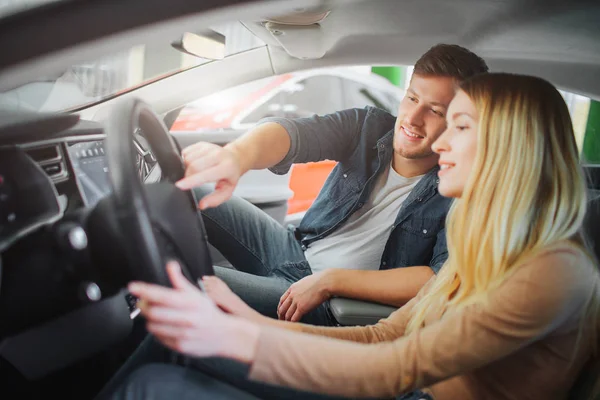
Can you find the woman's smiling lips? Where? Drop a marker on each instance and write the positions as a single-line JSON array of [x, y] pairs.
[[444, 167]]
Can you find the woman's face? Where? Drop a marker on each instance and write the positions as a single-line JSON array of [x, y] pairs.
[[457, 146]]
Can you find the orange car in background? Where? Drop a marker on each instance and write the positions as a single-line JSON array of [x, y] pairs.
[[306, 180]]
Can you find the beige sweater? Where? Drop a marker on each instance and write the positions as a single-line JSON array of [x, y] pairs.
[[519, 345]]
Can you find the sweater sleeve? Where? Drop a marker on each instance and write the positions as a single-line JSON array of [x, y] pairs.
[[537, 299]]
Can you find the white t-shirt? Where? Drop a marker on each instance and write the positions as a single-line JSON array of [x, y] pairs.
[[360, 241]]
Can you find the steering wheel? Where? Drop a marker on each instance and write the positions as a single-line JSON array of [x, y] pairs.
[[153, 222]]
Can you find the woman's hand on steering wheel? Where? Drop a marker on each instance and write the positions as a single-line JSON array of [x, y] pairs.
[[186, 320], [231, 303]]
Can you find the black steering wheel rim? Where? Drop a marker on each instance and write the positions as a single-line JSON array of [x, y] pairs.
[[145, 249]]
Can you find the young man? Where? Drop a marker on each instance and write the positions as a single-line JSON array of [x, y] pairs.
[[376, 230]]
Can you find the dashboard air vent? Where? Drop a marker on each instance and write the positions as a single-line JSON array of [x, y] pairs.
[[50, 158]]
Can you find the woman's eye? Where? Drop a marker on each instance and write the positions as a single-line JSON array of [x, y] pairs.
[[461, 127], [413, 99]]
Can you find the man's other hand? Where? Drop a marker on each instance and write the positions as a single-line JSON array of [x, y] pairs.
[[303, 297]]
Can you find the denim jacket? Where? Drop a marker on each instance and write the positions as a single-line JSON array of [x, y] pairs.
[[361, 140]]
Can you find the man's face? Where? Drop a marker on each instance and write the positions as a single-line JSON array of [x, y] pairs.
[[422, 115]]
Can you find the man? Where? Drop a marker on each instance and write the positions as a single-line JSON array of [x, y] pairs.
[[376, 230]]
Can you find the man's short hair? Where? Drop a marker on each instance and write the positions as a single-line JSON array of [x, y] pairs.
[[450, 60]]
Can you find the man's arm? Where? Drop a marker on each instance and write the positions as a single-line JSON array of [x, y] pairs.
[[386, 329], [208, 162], [275, 143], [321, 137], [393, 287], [250, 147], [285, 141]]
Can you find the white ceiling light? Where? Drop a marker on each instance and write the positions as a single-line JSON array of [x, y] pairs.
[[300, 32], [300, 41], [301, 16]]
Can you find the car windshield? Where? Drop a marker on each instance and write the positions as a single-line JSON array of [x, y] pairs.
[[9, 7], [292, 95], [87, 83]]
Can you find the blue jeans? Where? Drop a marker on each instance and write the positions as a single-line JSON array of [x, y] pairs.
[[156, 373], [267, 257]]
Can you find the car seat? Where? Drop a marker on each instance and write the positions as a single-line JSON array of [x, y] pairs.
[[587, 385]]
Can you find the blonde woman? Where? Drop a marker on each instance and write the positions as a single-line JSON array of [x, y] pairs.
[[514, 313]]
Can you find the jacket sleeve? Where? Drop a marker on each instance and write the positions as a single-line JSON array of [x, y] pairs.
[[317, 138], [440, 252]]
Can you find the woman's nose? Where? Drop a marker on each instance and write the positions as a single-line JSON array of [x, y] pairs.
[[441, 144]]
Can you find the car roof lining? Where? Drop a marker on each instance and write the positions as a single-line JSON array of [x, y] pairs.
[[554, 39], [554, 30]]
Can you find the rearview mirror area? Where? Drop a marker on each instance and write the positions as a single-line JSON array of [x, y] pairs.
[[208, 44]]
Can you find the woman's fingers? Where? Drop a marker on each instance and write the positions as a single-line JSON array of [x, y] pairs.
[[216, 284], [184, 294], [170, 331], [214, 287], [213, 279], [170, 316], [156, 294], [178, 280], [209, 283]]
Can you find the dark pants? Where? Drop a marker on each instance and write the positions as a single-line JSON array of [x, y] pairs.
[[156, 373], [266, 256]]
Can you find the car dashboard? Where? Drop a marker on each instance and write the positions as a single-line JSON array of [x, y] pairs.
[[51, 172], [77, 168]]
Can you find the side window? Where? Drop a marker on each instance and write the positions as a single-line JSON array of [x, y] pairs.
[[590, 152], [272, 107], [319, 94], [585, 114], [359, 95]]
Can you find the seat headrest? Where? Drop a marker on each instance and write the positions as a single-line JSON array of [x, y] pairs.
[[591, 223]]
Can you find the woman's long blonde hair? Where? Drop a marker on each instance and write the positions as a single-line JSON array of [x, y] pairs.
[[525, 193]]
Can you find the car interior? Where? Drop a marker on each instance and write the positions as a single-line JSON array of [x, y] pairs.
[[88, 160]]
